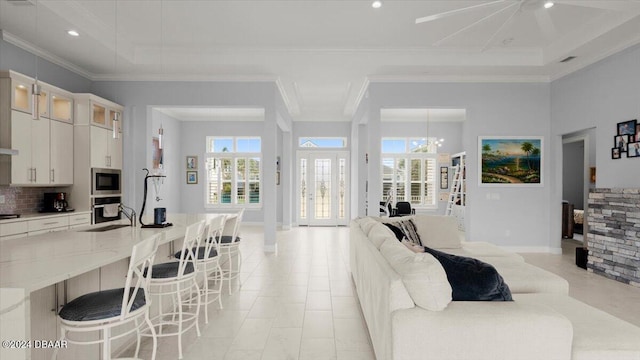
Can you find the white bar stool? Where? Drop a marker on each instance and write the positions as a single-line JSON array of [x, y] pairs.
[[208, 262], [178, 280], [104, 310], [229, 245]]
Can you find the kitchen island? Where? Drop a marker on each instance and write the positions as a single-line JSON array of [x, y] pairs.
[[32, 266]]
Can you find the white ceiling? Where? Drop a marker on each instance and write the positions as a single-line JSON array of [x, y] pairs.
[[322, 53], [212, 114]]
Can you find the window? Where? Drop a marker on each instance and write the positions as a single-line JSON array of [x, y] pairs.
[[409, 170], [234, 171], [322, 142]]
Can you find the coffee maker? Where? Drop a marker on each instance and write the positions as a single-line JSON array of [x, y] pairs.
[[56, 202]]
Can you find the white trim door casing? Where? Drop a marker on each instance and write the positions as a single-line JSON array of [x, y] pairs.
[[322, 188]]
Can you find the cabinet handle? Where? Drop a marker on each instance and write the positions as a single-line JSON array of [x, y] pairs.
[[50, 223], [53, 175], [35, 174]]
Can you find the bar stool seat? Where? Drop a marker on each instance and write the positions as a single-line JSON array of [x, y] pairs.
[[170, 270], [100, 305], [199, 253]]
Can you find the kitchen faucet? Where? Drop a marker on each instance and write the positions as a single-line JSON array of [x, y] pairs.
[[129, 213]]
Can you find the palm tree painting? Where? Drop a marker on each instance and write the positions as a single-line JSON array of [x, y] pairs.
[[510, 160]]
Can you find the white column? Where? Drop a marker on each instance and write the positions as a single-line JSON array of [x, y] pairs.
[[287, 167], [373, 168], [269, 189]]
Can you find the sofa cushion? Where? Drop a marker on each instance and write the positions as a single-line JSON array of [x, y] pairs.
[[422, 275], [366, 224], [438, 231], [379, 233], [397, 232], [472, 279]]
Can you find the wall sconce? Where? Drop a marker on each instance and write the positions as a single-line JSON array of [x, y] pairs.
[[160, 136]]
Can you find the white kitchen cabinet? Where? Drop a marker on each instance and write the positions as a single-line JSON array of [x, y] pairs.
[[106, 152], [44, 321], [104, 134], [42, 224], [45, 150], [31, 139], [61, 153]]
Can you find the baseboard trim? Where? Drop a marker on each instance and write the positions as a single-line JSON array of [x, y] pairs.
[[533, 249], [270, 248]]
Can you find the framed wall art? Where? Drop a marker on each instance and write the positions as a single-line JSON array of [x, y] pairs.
[[192, 177], [192, 162], [444, 177], [510, 161]]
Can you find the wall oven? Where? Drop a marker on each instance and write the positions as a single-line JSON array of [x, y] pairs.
[[106, 209], [105, 181]]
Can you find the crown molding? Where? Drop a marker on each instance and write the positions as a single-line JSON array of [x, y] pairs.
[[14, 40], [459, 78]]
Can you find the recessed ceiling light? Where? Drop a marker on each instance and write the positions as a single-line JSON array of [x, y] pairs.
[[548, 4], [376, 4], [73, 33]]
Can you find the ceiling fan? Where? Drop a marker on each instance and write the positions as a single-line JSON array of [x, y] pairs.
[[515, 8]]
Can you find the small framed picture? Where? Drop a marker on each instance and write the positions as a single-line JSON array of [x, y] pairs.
[[633, 149], [444, 177], [627, 127], [192, 162], [615, 153], [637, 136], [621, 141], [192, 177]]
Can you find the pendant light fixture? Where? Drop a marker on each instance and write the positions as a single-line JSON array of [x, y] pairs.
[[116, 114], [160, 136], [35, 87]]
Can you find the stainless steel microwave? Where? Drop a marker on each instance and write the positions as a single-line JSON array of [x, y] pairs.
[[106, 181]]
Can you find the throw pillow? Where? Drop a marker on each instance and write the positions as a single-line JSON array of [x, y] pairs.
[[410, 231], [422, 275], [472, 279], [396, 231]]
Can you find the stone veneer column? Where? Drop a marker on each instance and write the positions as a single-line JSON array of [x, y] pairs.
[[614, 234]]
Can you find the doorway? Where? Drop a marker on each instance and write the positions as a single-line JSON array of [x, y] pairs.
[[322, 183], [578, 158]]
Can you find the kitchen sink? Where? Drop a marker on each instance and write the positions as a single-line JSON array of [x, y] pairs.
[[107, 228]]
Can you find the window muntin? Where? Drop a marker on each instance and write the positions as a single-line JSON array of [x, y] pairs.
[[234, 171], [322, 142]]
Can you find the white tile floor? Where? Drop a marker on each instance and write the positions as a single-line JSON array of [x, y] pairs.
[[300, 303]]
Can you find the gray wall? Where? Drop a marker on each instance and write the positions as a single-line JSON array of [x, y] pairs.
[[24, 62], [510, 216], [597, 97]]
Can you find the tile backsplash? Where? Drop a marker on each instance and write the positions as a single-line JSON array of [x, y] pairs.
[[25, 200]]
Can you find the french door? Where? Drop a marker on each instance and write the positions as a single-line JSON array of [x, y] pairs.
[[322, 188]]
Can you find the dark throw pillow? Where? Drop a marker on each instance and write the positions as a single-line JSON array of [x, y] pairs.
[[472, 279], [396, 231], [410, 231]]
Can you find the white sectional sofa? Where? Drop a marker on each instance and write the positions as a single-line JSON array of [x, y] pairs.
[[406, 302]]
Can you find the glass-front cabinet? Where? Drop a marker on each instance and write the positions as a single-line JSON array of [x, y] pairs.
[[99, 115], [21, 95], [61, 107]]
